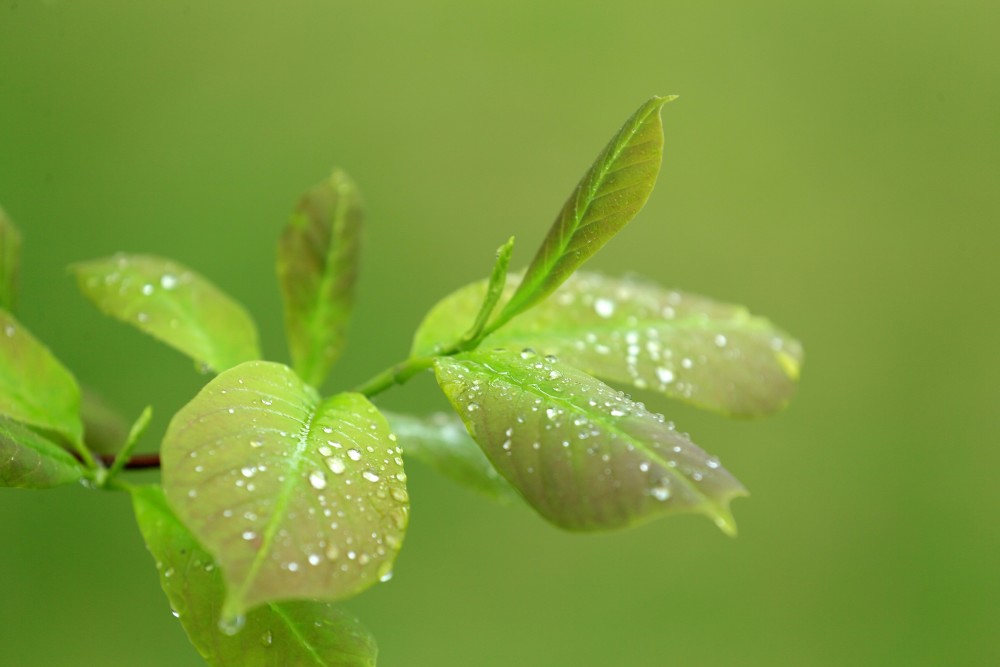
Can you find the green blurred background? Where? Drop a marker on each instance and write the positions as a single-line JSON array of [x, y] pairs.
[[834, 166]]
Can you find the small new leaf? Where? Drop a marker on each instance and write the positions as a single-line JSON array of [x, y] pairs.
[[610, 194], [286, 633], [34, 387], [582, 454], [441, 442], [294, 496], [494, 290], [30, 461], [318, 257], [173, 304], [10, 262], [711, 354]]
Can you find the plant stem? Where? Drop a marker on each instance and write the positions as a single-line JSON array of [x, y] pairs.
[[397, 374]]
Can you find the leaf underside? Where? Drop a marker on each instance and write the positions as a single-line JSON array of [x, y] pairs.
[[441, 442], [34, 387], [294, 497], [608, 196], [628, 331], [318, 259], [30, 461], [173, 304], [582, 454], [274, 635]]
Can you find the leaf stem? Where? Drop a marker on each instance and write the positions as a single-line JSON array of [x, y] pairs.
[[398, 374]]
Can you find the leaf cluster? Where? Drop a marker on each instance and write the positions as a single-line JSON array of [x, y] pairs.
[[277, 501]]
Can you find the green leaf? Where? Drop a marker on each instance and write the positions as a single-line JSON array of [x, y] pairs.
[[612, 191], [318, 257], [582, 454], [441, 442], [10, 262], [294, 496], [105, 429], [34, 387], [173, 304], [287, 633], [30, 461], [714, 355]]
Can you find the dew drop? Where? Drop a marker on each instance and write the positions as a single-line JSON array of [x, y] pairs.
[[147, 289], [604, 307], [720, 340], [314, 559], [354, 454], [256, 443], [231, 626], [336, 465], [267, 638], [370, 476], [168, 281], [249, 535], [665, 375], [317, 480], [527, 353], [661, 493]]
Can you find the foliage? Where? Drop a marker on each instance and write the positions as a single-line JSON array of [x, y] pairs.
[[276, 502]]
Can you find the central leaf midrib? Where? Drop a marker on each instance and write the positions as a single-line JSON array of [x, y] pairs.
[[293, 628], [283, 499]]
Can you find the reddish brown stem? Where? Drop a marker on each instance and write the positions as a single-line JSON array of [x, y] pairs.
[[136, 462]]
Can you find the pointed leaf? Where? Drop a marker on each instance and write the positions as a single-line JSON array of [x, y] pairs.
[[30, 461], [612, 191], [294, 496], [318, 258], [10, 262], [494, 290], [173, 304], [34, 387], [714, 355], [287, 633], [441, 442], [105, 429], [582, 454]]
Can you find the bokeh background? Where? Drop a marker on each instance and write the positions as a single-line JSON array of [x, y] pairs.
[[834, 166]]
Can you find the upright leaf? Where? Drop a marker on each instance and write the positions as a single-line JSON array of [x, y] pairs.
[[105, 429], [34, 387], [711, 354], [276, 634], [295, 497], [582, 454], [10, 262], [30, 461], [174, 304], [441, 442], [318, 257], [612, 191]]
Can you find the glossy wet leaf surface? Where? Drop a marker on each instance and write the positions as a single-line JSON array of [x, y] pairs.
[[173, 304], [34, 387], [629, 331], [318, 258], [608, 196], [441, 441], [31, 461], [582, 454], [10, 262], [296, 497], [299, 633]]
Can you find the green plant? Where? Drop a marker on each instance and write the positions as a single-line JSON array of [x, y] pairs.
[[276, 502]]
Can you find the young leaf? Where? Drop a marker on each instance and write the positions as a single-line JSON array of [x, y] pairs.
[[10, 262], [714, 355], [582, 454], [294, 496], [34, 387], [286, 633], [30, 461], [612, 191], [173, 304], [441, 442], [494, 290], [318, 257], [104, 428]]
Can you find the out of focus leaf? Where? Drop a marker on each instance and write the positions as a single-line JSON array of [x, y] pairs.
[[441, 442], [10, 262], [294, 497], [274, 635], [318, 257], [34, 387], [174, 304], [30, 461], [612, 191], [711, 354], [582, 454], [104, 428]]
